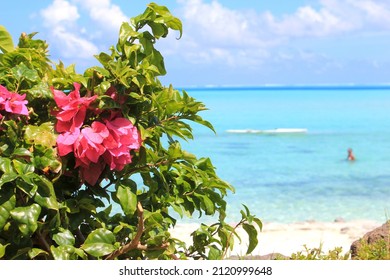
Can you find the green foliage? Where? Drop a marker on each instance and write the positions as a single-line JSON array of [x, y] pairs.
[[379, 250], [318, 254], [46, 209], [6, 43]]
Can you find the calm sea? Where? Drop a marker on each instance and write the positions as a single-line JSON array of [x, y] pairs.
[[290, 178]]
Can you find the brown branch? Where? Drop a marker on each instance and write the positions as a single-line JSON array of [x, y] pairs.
[[228, 240], [136, 241], [148, 166], [43, 242], [80, 236], [173, 256], [146, 248]]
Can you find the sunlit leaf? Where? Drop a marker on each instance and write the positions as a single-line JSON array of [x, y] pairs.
[[2, 249], [127, 199], [35, 252], [7, 204], [252, 236], [99, 243], [26, 217], [6, 43], [64, 237]]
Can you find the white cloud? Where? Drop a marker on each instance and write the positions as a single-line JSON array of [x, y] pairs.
[[213, 31], [72, 45], [69, 26], [374, 12], [107, 15], [60, 12], [307, 21]]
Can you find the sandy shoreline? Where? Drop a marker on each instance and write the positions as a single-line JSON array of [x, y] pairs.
[[291, 238]]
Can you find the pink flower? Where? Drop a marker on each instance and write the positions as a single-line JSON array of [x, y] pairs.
[[66, 141], [112, 92], [124, 132], [92, 172], [96, 146], [123, 138], [13, 102], [73, 109], [88, 147]]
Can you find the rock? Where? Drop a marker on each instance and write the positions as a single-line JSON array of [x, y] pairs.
[[345, 230], [372, 237], [339, 220]]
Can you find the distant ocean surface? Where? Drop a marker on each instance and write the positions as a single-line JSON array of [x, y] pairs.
[[291, 178]]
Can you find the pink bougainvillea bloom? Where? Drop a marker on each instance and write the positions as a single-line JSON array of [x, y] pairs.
[[73, 109], [96, 146], [123, 138], [92, 172], [124, 132], [113, 93], [13, 102], [17, 104], [66, 141], [88, 147], [117, 162]]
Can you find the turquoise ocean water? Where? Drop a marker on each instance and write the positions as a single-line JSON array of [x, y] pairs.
[[290, 178]]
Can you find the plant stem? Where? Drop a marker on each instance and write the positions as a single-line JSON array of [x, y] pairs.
[[136, 241]]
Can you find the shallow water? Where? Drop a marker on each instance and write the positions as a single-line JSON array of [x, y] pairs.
[[289, 178]]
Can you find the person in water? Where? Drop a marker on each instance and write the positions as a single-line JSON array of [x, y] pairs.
[[351, 156]]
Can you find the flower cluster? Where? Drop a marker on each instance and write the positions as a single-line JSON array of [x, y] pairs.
[[105, 142], [12, 102]]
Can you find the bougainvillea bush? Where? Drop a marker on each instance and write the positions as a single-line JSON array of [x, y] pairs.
[[71, 146]]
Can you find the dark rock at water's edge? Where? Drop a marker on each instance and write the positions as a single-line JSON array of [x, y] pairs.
[[379, 234]]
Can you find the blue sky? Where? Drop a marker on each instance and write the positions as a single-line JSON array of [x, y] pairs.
[[234, 43]]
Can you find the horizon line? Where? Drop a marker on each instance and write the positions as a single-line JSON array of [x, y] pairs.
[[287, 87]]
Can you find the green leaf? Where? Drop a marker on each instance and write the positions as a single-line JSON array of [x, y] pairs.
[[2, 250], [7, 204], [65, 237], [6, 43], [22, 152], [166, 17], [158, 29], [178, 209], [157, 59], [67, 252], [99, 243], [41, 135], [22, 168], [207, 203], [45, 195], [22, 72], [27, 185], [34, 252], [214, 253], [100, 235], [8, 177], [259, 223], [27, 217], [40, 90], [106, 102], [126, 194], [97, 69], [6, 165], [125, 32], [103, 58], [252, 235]]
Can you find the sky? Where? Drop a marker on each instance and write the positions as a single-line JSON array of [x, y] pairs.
[[226, 43]]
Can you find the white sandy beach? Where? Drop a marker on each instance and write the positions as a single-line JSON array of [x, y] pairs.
[[291, 238]]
